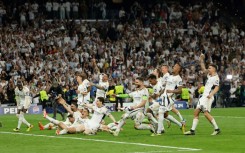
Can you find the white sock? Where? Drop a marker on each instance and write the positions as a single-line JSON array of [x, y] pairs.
[[52, 120], [160, 123], [172, 119], [64, 131], [194, 124], [20, 116], [180, 116], [47, 125], [25, 122], [120, 124], [144, 127], [152, 118], [214, 124]]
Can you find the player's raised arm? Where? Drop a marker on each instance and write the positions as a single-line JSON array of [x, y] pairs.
[[201, 59]]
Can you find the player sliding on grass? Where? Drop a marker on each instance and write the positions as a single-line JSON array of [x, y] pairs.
[[90, 126], [205, 102], [72, 111], [136, 111]]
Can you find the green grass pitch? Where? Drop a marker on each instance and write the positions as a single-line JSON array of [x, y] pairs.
[[230, 120]]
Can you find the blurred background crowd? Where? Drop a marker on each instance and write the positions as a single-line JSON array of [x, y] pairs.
[[45, 39]]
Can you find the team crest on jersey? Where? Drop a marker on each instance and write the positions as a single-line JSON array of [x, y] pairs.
[[217, 82]]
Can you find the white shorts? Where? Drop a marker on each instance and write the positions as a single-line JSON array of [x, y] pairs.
[[154, 107], [205, 103], [166, 104], [91, 126], [25, 103]]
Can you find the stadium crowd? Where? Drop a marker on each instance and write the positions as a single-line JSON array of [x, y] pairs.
[[39, 42]]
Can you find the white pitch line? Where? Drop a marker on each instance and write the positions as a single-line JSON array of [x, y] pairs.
[[235, 117], [107, 141]]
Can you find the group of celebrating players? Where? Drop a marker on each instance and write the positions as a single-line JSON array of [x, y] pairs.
[[154, 106]]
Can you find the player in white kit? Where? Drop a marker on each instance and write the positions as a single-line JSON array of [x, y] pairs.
[[100, 111], [137, 110], [83, 91], [173, 86], [205, 102], [164, 78], [103, 84], [23, 101]]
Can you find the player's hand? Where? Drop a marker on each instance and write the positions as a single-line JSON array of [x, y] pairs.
[[202, 56], [209, 96]]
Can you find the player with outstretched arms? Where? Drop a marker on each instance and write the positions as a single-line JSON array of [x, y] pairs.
[[83, 91], [103, 85], [100, 111], [23, 100], [205, 102], [136, 111]]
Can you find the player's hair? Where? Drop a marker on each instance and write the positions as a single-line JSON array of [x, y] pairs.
[[101, 99], [140, 78], [82, 75], [75, 103], [152, 76], [19, 83], [70, 115], [214, 66], [86, 110], [180, 66], [165, 65]]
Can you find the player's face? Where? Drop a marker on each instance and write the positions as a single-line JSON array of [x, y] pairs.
[[155, 72], [85, 113], [73, 107], [211, 69], [137, 83], [71, 119], [20, 87], [105, 77], [176, 68], [98, 103], [153, 81], [79, 79], [164, 69]]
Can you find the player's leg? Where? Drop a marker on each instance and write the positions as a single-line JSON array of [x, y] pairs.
[[161, 112], [195, 122], [121, 123], [25, 121], [17, 129], [150, 113], [210, 118], [52, 120], [174, 110]]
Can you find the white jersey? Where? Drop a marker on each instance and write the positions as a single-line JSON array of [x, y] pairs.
[[105, 85], [139, 95], [212, 81], [23, 98], [157, 89], [173, 82], [99, 114], [83, 88], [164, 79], [94, 123]]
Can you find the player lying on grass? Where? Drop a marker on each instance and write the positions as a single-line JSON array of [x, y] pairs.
[[72, 111], [85, 125]]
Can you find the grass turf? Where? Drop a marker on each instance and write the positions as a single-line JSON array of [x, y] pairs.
[[230, 120]]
